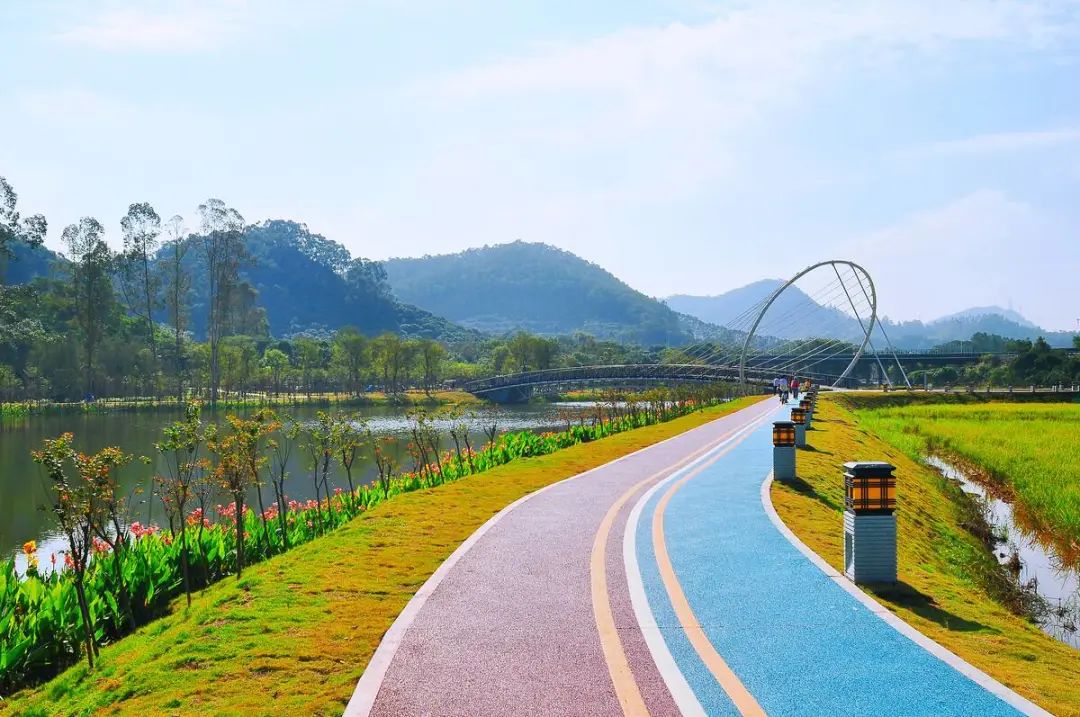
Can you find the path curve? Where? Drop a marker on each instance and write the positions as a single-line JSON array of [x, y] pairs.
[[507, 625], [660, 583]]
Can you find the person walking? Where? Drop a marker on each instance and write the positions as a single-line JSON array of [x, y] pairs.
[[795, 387]]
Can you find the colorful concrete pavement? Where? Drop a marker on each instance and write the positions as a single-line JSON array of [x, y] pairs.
[[660, 583]]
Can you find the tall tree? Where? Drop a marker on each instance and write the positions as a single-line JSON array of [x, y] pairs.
[[13, 228], [91, 264], [141, 227], [178, 283], [223, 250], [432, 356], [351, 353]]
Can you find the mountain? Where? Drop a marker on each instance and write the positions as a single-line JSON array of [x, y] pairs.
[[728, 309], [295, 281], [963, 325], [977, 313], [26, 263], [307, 283], [534, 287], [739, 307]]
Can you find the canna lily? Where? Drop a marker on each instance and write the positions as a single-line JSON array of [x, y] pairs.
[[29, 547]]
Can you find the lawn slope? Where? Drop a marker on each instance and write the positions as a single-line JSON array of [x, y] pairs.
[[295, 633]]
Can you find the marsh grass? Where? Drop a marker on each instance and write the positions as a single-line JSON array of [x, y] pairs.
[[1028, 454]]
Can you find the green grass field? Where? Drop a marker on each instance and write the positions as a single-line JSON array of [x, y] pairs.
[[942, 591], [294, 635], [1030, 451]]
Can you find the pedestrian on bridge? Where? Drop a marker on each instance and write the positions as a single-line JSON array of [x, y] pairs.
[[795, 387]]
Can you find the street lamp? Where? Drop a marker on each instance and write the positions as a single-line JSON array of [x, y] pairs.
[[870, 522]]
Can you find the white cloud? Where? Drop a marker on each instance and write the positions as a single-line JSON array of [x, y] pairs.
[[979, 249], [174, 26], [76, 106], [684, 103], [183, 28], [998, 142]]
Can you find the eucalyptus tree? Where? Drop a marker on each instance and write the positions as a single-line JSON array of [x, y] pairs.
[[139, 281], [177, 286], [15, 228], [351, 351], [432, 356], [92, 291], [224, 253]]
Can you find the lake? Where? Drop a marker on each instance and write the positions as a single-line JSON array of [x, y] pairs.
[[24, 492]]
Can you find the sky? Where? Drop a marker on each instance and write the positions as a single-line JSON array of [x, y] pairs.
[[686, 146]]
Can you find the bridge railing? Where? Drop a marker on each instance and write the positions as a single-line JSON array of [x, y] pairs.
[[627, 372]]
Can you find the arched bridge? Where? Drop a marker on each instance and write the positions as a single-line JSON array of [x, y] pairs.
[[516, 387]]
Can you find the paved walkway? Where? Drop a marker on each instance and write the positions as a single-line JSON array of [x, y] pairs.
[[656, 584]]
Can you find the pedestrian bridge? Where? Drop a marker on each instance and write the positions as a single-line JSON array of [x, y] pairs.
[[517, 387]]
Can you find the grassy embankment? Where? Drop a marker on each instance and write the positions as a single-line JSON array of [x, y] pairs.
[[23, 409], [294, 635], [943, 568]]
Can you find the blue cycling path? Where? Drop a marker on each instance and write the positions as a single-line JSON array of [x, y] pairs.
[[656, 584], [798, 642]]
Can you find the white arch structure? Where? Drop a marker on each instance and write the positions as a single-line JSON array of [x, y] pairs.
[[867, 330]]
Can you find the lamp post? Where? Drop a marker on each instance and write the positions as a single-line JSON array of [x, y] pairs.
[[807, 405], [870, 522], [798, 417], [783, 439]]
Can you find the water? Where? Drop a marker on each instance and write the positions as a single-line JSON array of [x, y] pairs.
[[1040, 565], [24, 493]]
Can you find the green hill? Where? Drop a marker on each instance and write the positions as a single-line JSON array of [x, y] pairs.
[[537, 288], [307, 283]]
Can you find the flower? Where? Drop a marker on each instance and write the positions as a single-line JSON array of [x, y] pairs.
[[30, 547], [68, 562]]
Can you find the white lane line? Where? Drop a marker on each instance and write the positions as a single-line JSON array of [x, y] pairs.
[[367, 687], [673, 677], [958, 663]]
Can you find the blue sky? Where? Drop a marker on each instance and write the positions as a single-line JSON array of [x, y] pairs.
[[687, 146]]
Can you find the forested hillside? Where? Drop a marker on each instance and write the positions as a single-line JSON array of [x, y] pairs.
[[534, 287], [306, 283]]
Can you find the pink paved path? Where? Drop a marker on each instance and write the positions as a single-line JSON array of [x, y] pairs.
[[510, 628]]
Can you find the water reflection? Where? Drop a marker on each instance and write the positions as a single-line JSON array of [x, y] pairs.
[[1034, 562], [24, 495]]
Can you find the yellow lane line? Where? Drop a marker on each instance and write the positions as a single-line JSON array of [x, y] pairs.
[[622, 677], [733, 686]]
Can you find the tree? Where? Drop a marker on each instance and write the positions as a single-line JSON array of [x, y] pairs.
[[432, 355], [179, 446], [224, 253], [277, 361], [92, 290], [309, 357], [520, 348], [177, 283], [74, 508], [387, 353], [351, 352], [240, 460], [14, 228], [141, 227]]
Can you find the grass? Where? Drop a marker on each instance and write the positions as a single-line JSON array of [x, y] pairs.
[[1028, 451], [294, 635], [942, 590], [19, 410]]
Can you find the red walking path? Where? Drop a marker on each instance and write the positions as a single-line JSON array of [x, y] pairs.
[[508, 624]]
